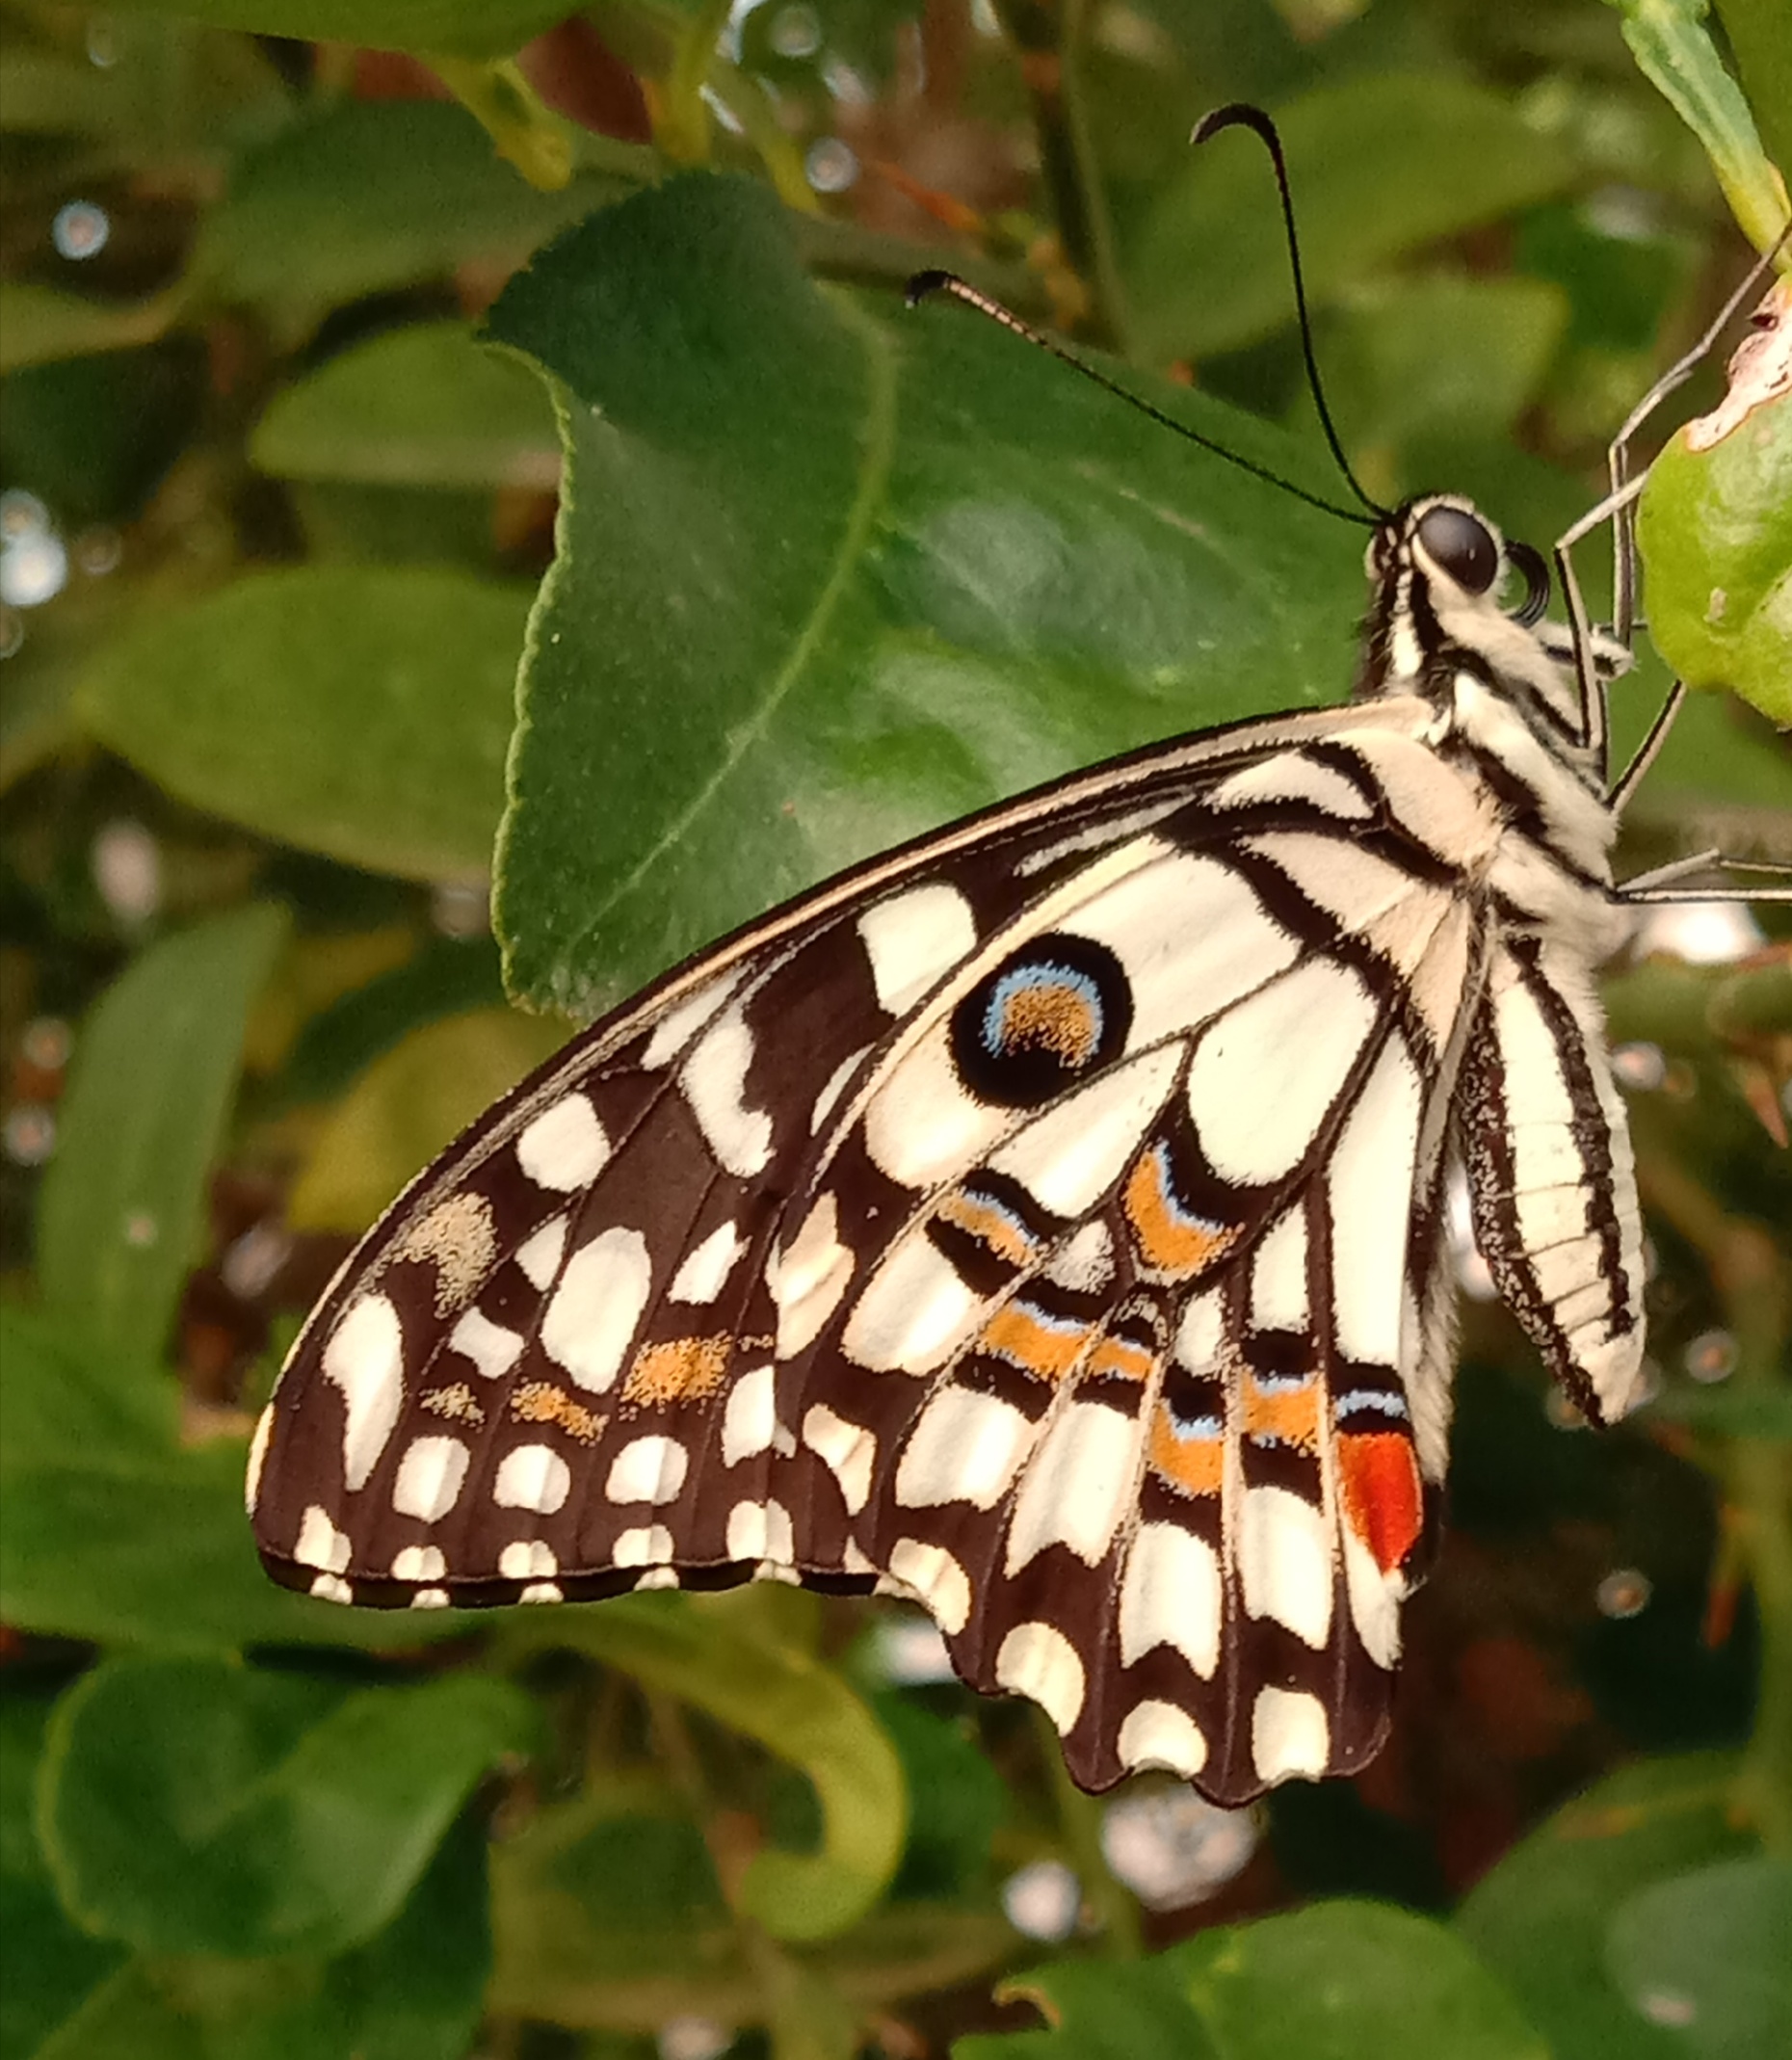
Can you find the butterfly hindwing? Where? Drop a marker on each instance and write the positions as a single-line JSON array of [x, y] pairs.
[[1025, 1224]]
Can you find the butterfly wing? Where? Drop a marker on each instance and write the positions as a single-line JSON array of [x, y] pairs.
[[1025, 1222]]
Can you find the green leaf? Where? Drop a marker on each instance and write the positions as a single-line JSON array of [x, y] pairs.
[[420, 407], [407, 1106], [1715, 527], [111, 1530], [474, 28], [51, 1965], [796, 1707], [373, 195], [1540, 1919], [1673, 49], [361, 713], [194, 1805], [39, 324], [1709, 1954], [1100, 2009], [1441, 357], [412, 1992], [123, 1200], [1351, 1981], [1379, 166], [826, 579], [1757, 33]]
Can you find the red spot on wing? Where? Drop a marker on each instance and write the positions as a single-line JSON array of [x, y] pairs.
[[1382, 1495]]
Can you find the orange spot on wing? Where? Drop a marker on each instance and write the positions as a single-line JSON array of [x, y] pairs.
[[990, 1225], [1169, 1241], [541, 1402], [1383, 1498], [1123, 1355], [1193, 1464], [682, 1369], [1017, 1334], [1283, 1415]]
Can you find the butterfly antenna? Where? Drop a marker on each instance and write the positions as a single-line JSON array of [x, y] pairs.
[[1240, 113], [924, 285]]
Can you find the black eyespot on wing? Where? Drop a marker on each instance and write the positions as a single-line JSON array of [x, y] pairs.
[[1048, 1018], [1457, 543]]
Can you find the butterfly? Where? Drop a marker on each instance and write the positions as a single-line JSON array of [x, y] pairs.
[[1047, 1221]]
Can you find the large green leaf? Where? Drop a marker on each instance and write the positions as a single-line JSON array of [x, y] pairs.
[[1542, 1918], [1710, 1954], [1379, 166], [1351, 1981], [829, 575], [199, 1805], [359, 712], [123, 1200], [1100, 2009], [413, 1992], [419, 406], [112, 1530], [373, 194]]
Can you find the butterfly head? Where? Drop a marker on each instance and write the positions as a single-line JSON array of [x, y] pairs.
[[1444, 622]]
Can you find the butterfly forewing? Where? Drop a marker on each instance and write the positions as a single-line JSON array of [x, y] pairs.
[[1026, 1224]]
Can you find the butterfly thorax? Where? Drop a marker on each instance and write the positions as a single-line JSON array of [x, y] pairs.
[[1508, 708]]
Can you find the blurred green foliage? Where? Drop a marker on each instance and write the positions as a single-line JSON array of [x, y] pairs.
[[811, 573]]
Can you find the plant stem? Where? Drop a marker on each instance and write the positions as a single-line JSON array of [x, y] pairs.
[[1080, 1817]]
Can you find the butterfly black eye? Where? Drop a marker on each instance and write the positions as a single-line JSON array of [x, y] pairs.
[[1049, 1017], [1457, 543]]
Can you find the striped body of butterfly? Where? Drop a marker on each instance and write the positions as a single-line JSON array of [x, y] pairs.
[[1044, 1222]]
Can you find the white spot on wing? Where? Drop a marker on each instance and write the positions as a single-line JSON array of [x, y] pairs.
[[528, 1559], [1375, 1599], [1291, 775], [566, 1147], [809, 1278], [714, 1075], [429, 1599], [932, 1573], [1077, 1487], [836, 1087], [531, 1477], [1288, 1734], [847, 1449], [1284, 1562], [913, 939], [1159, 1734], [429, 1478], [1262, 1078], [365, 1359], [760, 1531], [1037, 1660], [320, 1542], [587, 1325], [1200, 1333], [257, 1454], [1193, 937], [675, 1029], [965, 1447], [1171, 1594], [539, 1255], [913, 1314], [647, 1469], [1278, 1275], [419, 1563], [1369, 1196], [492, 1349], [1085, 1261], [649, 1545], [1068, 1158], [331, 1588], [707, 1266], [749, 1420]]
